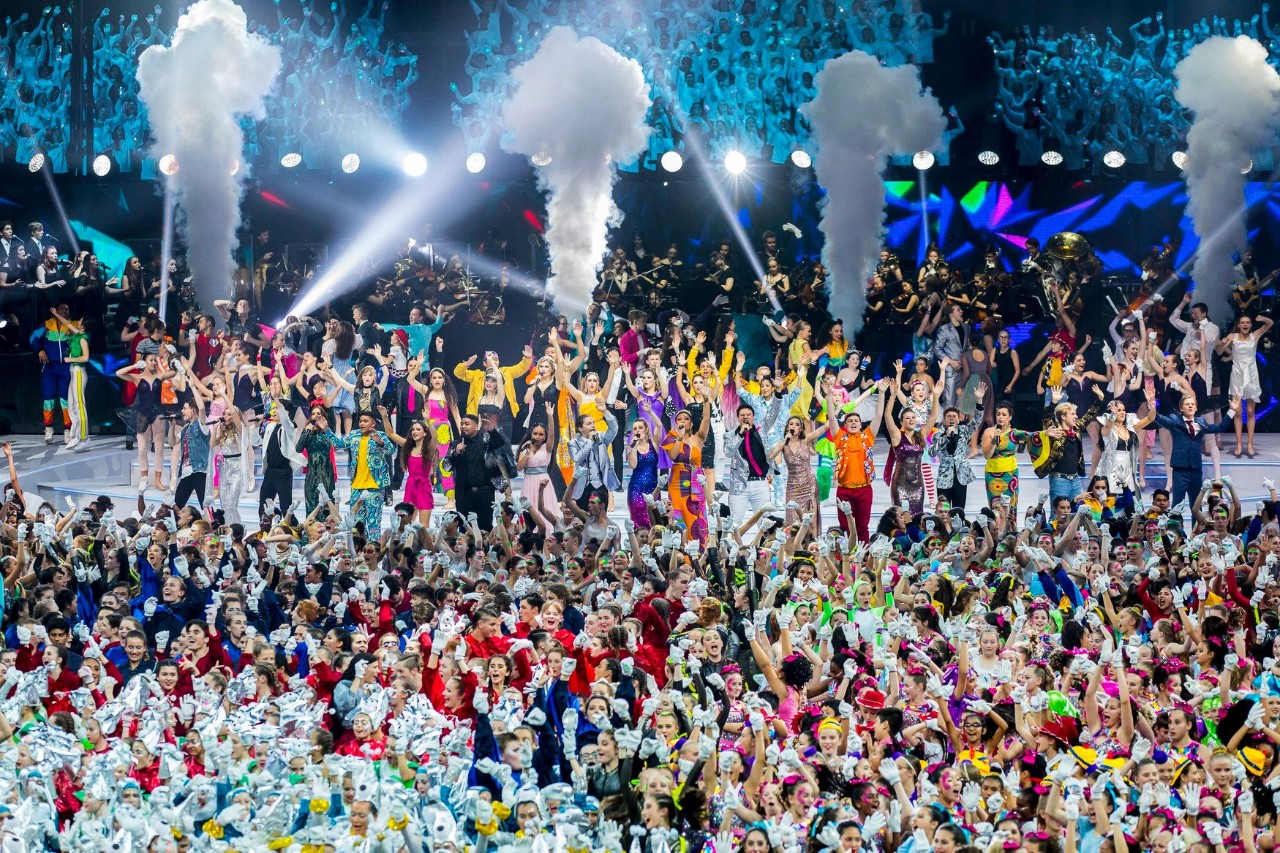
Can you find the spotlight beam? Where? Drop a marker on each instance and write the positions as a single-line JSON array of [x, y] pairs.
[[694, 147], [46, 173], [924, 212], [166, 247], [1180, 274], [409, 204]]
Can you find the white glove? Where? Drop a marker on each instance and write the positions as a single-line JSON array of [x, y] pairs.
[[162, 640], [149, 607], [1191, 800], [1140, 749], [1071, 806]]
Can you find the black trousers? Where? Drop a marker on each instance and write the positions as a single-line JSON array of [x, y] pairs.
[[619, 447], [276, 483], [404, 417], [956, 494], [187, 486], [477, 499]]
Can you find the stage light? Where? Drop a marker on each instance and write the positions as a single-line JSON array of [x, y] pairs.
[[36, 163], [475, 162], [541, 159], [988, 158], [102, 165], [414, 165], [293, 158], [1180, 159], [1113, 159], [350, 163], [168, 165], [923, 160], [672, 161], [1244, 170], [1051, 158], [735, 162], [801, 159]]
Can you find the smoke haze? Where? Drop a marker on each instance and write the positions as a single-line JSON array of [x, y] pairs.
[[1235, 96], [863, 113], [583, 104], [213, 71]]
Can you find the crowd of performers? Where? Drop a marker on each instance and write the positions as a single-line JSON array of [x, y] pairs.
[[624, 591]]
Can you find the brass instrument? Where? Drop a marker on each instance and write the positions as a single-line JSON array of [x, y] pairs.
[[1067, 246], [1066, 251], [404, 267]]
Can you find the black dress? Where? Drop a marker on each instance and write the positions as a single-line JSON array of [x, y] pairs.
[[696, 412], [1003, 372]]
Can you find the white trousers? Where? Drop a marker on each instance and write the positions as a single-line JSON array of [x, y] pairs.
[[742, 502]]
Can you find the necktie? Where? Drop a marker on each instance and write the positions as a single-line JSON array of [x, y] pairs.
[[1191, 427]]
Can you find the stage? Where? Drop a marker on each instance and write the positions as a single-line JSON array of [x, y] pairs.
[[101, 466]]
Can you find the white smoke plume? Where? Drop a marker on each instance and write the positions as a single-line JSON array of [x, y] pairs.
[[863, 113], [195, 89], [583, 104], [1235, 96]]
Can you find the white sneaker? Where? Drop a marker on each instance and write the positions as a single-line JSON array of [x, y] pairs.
[[66, 436], [73, 443], [48, 435]]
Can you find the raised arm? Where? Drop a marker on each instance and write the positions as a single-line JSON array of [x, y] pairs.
[[387, 428], [892, 426]]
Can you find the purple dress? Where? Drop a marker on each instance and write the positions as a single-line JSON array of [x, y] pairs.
[[644, 479], [651, 409]]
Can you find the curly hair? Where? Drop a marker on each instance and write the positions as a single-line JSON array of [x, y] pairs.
[[796, 671]]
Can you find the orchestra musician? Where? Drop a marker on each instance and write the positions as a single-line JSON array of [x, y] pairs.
[[889, 271], [934, 273], [775, 281]]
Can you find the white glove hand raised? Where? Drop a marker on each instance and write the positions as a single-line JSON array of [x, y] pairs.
[[1071, 807]]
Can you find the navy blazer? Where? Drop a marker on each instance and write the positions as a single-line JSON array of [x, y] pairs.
[[1186, 448]]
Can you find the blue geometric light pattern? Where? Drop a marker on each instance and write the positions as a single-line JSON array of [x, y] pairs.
[[1120, 221]]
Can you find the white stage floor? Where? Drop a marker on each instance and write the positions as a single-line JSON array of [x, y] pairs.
[[101, 466]]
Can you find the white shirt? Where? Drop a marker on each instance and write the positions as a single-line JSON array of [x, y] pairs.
[[1192, 331]]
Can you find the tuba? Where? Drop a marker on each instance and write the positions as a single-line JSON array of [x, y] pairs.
[[1067, 246]]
